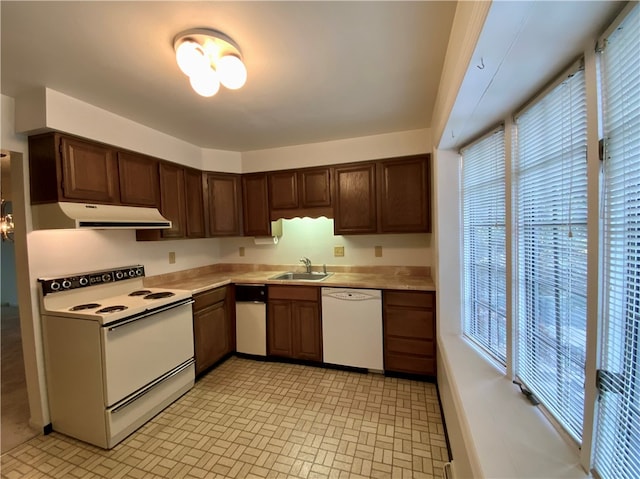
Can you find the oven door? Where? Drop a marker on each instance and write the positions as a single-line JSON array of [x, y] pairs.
[[140, 349]]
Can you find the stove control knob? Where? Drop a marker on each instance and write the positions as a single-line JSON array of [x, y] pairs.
[[66, 284], [139, 272], [83, 281], [55, 286], [132, 273], [119, 274], [106, 277]]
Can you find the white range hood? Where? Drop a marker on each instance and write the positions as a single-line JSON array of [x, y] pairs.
[[90, 216]]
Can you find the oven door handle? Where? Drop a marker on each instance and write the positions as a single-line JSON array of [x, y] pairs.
[[148, 313], [141, 392]]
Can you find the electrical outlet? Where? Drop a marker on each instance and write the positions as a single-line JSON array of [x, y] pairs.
[[338, 251], [172, 257], [378, 251], [241, 251]]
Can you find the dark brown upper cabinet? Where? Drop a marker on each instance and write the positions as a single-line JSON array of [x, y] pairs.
[[223, 204], [139, 183], [65, 168], [305, 192], [385, 196], [194, 204], [283, 190], [255, 202], [181, 202], [315, 187], [355, 206], [404, 192], [172, 200]]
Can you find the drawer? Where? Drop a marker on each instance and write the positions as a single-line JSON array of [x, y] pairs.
[[296, 293], [415, 347], [410, 364], [409, 323], [207, 298], [413, 299]]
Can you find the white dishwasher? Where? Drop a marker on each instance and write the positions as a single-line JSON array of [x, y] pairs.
[[352, 327]]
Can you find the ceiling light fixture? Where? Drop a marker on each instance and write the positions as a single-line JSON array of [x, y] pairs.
[[209, 58]]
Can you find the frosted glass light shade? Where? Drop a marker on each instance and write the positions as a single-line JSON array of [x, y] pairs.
[[205, 82], [191, 58], [232, 72], [209, 58]]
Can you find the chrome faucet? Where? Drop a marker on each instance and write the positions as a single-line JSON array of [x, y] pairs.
[[307, 263]]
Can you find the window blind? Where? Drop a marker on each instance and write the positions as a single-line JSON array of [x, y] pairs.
[[551, 202], [483, 205], [617, 450]]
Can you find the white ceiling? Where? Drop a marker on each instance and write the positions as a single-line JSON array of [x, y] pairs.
[[317, 71]]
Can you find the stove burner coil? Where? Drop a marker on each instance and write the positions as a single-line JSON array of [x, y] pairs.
[[140, 292], [160, 295], [82, 307], [112, 309]]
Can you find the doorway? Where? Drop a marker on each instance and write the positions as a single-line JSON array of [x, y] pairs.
[[14, 400]]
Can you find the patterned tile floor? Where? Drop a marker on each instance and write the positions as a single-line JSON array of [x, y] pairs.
[[251, 419]]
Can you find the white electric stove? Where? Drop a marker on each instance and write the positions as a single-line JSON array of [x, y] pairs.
[[116, 353]]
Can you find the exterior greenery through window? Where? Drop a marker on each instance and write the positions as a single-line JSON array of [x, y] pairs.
[[483, 203]]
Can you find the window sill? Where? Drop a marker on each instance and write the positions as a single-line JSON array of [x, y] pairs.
[[494, 431]]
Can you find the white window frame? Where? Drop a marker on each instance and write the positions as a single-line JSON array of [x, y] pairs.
[[489, 148]]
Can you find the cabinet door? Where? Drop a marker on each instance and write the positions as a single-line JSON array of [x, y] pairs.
[[280, 329], [255, 201], [139, 183], [194, 204], [355, 199], [405, 197], [172, 199], [211, 335], [89, 171], [315, 189], [410, 332], [223, 192], [283, 190], [307, 331]]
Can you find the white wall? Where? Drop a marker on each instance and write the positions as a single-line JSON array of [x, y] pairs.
[[16, 146], [339, 151], [45, 108], [57, 252], [314, 239]]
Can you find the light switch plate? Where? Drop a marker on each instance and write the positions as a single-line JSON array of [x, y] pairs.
[[172, 257], [338, 251], [378, 251]]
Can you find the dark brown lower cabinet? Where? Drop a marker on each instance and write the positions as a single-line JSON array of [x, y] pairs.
[[294, 328], [212, 327], [409, 332]]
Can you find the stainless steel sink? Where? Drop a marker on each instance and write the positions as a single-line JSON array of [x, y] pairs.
[[291, 276]]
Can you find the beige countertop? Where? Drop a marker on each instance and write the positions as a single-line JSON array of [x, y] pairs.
[[201, 279]]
